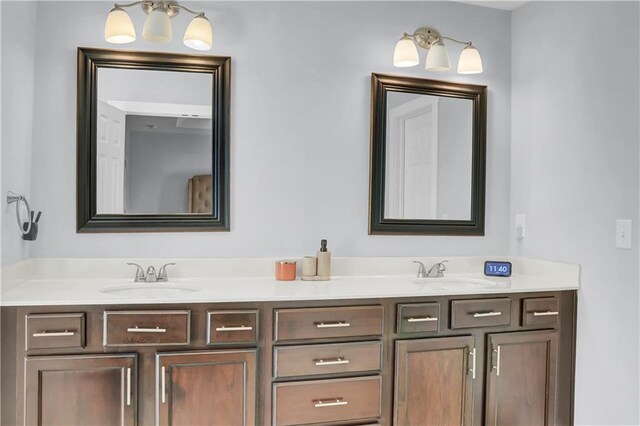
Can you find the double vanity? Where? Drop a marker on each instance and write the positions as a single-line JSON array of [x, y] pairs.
[[85, 344]]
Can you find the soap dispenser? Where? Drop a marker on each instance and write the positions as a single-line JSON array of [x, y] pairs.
[[324, 262]]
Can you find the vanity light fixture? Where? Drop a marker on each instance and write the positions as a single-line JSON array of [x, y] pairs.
[[157, 27], [406, 52]]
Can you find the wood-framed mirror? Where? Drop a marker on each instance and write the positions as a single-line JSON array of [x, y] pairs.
[[428, 157], [152, 141]]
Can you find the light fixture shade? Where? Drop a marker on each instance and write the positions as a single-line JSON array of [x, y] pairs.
[[199, 35], [157, 27], [405, 53], [438, 58], [470, 61], [119, 28]]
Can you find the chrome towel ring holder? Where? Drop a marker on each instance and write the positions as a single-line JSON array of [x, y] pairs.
[[29, 226]]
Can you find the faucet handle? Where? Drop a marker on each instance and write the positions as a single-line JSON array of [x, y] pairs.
[[139, 272], [162, 272], [422, 270]]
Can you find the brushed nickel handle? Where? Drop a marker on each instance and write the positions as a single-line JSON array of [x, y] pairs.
[[65, 333], [544, 313], [486, 314], [162, 385], [234, 328], [472, 353], [137, 329], [422, 319], [497, 366], [128, 386], [332, 402], [331, 361], [332, 324]]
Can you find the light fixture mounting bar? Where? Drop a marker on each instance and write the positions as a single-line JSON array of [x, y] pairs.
[[425, 37]]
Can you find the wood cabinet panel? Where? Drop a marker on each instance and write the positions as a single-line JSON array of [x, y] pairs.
[[81, 390], [206, 388], [434, 381], [55, 331], [147, 328], [418, 318], [521, 386], [480, 313], [232, 327], [542, 311]]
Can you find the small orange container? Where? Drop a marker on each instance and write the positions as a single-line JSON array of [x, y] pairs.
[[286, 270]]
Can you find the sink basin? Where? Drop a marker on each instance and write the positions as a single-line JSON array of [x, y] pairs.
[[149, 289], [455, 283]]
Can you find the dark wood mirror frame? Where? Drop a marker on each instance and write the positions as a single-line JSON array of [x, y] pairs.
[[89, 61], [380, 86]]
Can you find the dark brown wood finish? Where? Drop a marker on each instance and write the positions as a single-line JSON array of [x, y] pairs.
[[81, 390], [378, 224], [224, 327], [336, 358], [434, 381], [480, 313], [521, 386], [13, 349], [418, 318], [326, 401], [540, 311], [206, 388], [324, 323], [147, 328], [55, 331], [90, 60]]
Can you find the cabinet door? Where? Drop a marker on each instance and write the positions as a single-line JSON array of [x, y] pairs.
[[434, 381], [81, 390], [206, 388], [521, 384]]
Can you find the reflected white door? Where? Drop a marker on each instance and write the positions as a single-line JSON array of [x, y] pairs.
[[110, 159], [411, 189]]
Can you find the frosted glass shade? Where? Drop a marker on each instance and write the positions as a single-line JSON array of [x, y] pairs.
[[198, 35], [405, 53], [119, 28], [470, 61], [438, 58], [157, 27]]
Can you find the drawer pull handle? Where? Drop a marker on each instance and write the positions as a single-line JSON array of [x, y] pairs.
[[65, 333], [162, 384], [332, 361], [486, 314], [497, 366], [472, 352], [128, 386], [234, 328], [332, 324], [137, 329], [333, 402], [422, 319], [544, 313]]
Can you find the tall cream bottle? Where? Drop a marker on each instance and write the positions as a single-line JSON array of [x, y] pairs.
[[324, 261]]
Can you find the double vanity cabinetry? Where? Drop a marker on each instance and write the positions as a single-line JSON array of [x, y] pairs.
[[494, 359]]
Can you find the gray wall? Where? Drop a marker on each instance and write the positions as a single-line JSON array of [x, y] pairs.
[[575, 171], [300, 125], [18, 62]]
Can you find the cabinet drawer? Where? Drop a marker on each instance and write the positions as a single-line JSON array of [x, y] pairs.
[[480, 313], [232, 327], [335, 358], [322, 323], [54, 331], [145, 328], [323, 401], [418, 318], [540, 311]]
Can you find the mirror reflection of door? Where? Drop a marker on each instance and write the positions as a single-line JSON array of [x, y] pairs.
[[427, 157], [154, 138]]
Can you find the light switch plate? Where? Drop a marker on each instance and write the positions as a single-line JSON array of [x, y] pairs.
[[624, 231]]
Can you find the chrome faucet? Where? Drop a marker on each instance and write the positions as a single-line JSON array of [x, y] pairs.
[[437, 270], [422, 271], [151, 276]]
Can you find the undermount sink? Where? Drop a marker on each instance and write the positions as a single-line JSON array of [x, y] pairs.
[[449, 283], [149, 289]]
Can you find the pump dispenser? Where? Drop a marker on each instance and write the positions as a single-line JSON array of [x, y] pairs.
[[324, 262]]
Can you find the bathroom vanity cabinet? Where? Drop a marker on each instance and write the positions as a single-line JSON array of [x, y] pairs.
[[490, 359]]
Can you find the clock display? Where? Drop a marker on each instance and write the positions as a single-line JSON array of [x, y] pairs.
[[497, 269]]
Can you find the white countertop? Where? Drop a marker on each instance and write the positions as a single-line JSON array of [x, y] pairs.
[[39, 282]]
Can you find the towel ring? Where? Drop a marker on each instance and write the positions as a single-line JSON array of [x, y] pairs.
[[12, 197]]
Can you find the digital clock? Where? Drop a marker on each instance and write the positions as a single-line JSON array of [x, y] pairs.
[[497, 269]]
